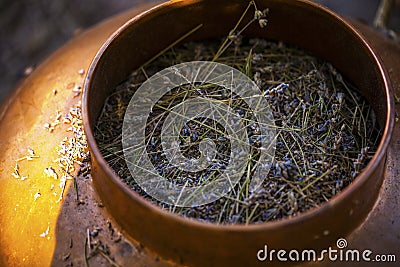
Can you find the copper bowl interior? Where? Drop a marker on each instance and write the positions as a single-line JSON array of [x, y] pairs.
[[302, 23]]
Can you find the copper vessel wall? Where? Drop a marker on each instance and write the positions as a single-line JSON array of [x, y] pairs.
[[302, 23]]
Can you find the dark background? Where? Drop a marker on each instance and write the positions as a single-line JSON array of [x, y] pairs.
[[31, 29]]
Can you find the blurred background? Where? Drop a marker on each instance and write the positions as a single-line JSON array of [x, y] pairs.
[[30, 30]]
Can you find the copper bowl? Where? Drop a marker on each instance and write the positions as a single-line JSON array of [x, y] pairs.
[[303, 23]]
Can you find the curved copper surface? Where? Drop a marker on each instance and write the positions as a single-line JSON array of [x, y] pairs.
[[22, 219], [190, 242]]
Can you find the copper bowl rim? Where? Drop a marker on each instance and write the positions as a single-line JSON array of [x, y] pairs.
[[380, 154]]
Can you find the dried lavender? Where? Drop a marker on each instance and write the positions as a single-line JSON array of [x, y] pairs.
[[326, 131]]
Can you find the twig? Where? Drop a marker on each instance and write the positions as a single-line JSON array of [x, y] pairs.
[[111, 261], [382, 14], [317, 179], [172, 45], [76, 189], [86, 245]]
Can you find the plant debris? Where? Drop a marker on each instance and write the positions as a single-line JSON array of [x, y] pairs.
[[37, 195], [51, 126], [31, 155], [94, 246], [46, 232], [50, 172], [73, 151]]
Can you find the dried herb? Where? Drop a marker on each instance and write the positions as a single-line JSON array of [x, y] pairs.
[[326, 131]]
